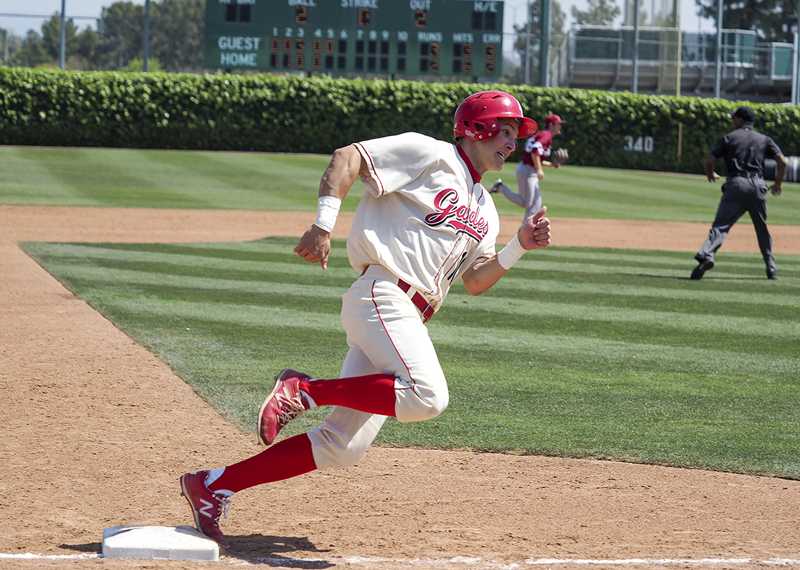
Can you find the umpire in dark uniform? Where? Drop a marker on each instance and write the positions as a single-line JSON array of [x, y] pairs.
[[744, 151]]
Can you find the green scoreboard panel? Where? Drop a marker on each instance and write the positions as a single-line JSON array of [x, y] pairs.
[[410, 38]]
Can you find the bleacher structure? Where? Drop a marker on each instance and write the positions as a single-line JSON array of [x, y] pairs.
[[602, 58]]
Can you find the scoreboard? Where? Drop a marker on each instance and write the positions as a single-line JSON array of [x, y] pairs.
[[453, 39]]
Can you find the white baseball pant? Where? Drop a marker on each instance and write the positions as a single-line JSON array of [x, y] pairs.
[[386, 334]]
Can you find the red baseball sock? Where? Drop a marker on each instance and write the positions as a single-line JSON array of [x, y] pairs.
[[373, 393], [288, 458]]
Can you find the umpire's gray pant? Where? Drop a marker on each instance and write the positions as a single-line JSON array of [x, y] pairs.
[[740, 195]]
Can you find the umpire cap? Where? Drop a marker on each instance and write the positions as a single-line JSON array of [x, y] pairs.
[[744, 113]]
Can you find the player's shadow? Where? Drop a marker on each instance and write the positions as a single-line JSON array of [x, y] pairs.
[[273, 551], [253, 548], [688, 278], [95, 547]]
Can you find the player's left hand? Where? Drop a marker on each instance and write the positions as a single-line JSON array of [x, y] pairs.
[[535, 231], [315, 245]]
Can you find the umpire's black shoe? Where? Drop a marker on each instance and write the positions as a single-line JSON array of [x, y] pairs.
[[771, 274], [701, 268]]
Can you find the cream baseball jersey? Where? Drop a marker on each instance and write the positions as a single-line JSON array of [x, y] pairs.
[[425, 216]]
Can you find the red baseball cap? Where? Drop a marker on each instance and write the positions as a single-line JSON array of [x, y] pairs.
[[553, 119]]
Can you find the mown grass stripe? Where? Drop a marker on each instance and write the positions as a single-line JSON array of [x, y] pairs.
[[609, 256], [329, 301], [261, 251], [682, 260], [113, 182], [138, 178], [617, 292], [534, 267], [775, 306], [607, 353], [522, 311], [575, 268], [26, 181], [772, 306], [531, 261], [240, 176]]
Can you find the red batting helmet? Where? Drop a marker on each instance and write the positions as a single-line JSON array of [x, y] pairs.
[[476, 116]]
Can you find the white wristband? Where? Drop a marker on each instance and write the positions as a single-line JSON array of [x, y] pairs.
[[511, 253], [327, 210]]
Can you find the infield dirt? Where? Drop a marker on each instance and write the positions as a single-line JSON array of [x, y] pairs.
[[97, 430]]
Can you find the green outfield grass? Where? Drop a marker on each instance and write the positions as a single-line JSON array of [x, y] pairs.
[[577, 352], [255, 181]]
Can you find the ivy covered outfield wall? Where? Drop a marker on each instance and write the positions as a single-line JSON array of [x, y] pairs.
[[296, 114]]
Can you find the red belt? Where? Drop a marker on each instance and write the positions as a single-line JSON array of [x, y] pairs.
[[419, 301]]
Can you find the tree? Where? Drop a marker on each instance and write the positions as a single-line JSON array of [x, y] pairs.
[[51, 36], [644, 18], [88, 43], [10, 45], [177, 33], [121, 29], [772, 20], [528, 48], [598, 13], [31, 52]]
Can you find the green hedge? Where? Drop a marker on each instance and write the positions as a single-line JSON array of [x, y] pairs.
[[296, 114]]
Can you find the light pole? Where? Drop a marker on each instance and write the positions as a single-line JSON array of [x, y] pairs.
[[62, 36], [4, 35], [146, 34], [718, 78], [635, 46], [795, 70], [679, 55], [544, 50], [529, 16], [795, 57]]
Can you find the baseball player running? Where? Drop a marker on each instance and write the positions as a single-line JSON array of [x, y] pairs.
[[424, 221], [530, 171]]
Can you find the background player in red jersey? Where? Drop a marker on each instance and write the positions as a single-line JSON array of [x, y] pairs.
[[530, 171]]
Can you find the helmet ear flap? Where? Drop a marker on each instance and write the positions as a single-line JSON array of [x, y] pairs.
[[479, 130]]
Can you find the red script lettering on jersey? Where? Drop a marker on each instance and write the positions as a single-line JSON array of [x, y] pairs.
[[459, 217]]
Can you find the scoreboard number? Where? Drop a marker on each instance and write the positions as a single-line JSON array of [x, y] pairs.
[[456, 39]]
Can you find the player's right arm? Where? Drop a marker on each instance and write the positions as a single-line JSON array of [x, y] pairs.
[[780, 171], [711, 176], [717, 151], [345, 166], [774, 151]]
